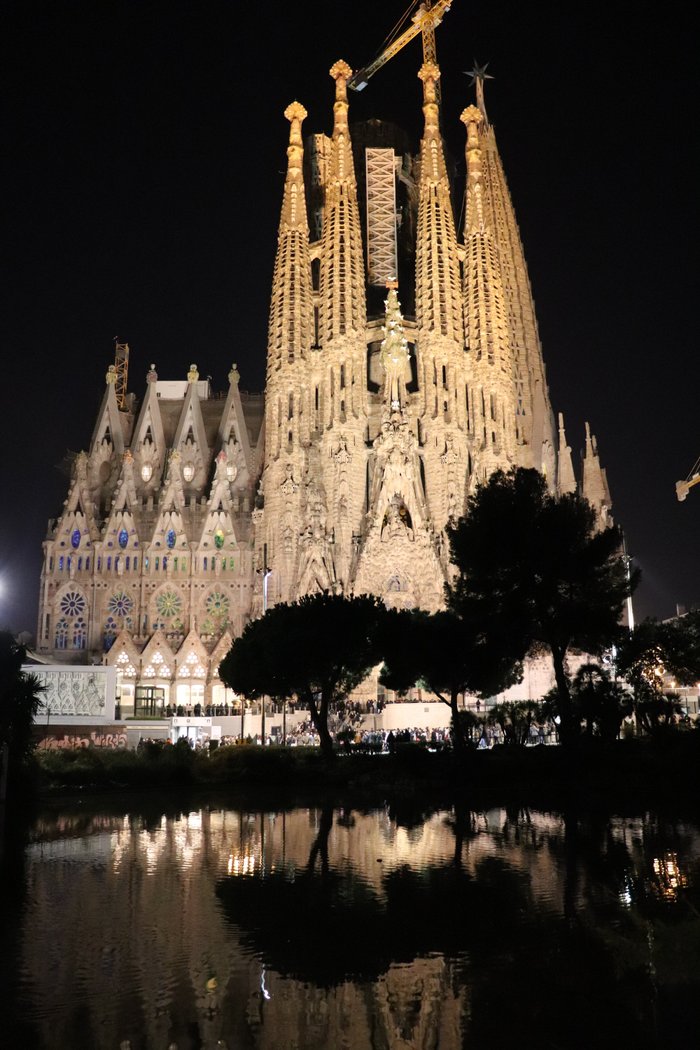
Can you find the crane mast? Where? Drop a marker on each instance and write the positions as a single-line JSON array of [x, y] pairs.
[[424, 21], [121, 367], [683, 487]]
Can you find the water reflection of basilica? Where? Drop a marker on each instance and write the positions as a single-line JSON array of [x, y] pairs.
[[167, 931]]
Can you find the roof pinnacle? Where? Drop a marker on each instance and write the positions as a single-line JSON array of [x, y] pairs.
[[295, 114], [478, 75]]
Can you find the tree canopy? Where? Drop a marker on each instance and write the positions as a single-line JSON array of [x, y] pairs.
[[317, 649], [536, 575], [654, 658]]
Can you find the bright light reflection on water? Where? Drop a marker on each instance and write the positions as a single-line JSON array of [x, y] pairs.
[[322, 928]]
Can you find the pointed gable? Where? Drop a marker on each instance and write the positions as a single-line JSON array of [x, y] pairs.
[[190, 436], [76, 528], [169, 535], [149, 445], [233, 434], [192, 660], [108, 429], [218, 533], [124, 655], [157, 659]]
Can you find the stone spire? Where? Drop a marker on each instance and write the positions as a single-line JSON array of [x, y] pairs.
[[291, 310], [595, 483], [438, 295], [566, 479], [487, 333], [534, 414], [342, 269]]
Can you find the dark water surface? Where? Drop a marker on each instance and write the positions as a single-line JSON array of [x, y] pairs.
[[326, 928]]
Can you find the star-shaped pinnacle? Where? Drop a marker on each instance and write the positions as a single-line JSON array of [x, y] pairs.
[[478, 73]]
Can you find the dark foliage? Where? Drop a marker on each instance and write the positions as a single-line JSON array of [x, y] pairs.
[[655, 655], [20, 699], [534, 573], [446, 654], [317, 649]]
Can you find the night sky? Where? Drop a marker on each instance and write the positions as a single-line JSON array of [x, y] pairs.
[[145, 155]]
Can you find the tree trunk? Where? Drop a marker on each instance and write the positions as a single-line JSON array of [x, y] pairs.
[[458, 737], [319, 717], [567, 729]]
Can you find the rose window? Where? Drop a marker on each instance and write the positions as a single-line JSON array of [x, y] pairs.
[[169, 604], [73, 604], [217, 605], [120, 604]]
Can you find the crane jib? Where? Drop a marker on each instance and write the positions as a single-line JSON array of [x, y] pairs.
[[425, 19]]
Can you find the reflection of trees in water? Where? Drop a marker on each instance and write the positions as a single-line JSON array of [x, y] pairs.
[[485, 926]]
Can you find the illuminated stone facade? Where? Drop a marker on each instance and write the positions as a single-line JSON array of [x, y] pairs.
[[375, 435], [376, 427]]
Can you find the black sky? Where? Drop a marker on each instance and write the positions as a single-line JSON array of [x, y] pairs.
[[145, 150]]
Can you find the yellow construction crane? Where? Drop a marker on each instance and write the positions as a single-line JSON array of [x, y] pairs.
[[121, 367], [683, 487], [423, 21]]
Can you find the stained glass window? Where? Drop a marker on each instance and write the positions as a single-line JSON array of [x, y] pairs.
[[219, 539], [75, 539], [123, 538], [73, 604], [79, 634], [169, 604], [110, 633], [61, 634], [120, 603], [217, 605], [170, 538]]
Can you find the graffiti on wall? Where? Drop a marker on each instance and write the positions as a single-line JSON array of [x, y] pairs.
[[75, 740]]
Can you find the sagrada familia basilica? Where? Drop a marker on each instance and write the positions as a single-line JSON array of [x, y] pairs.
[[191, 511]]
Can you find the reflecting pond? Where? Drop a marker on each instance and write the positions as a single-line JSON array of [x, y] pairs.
[[367, 930]]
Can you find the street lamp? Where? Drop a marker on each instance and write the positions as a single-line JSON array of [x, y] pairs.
[[266, 576]]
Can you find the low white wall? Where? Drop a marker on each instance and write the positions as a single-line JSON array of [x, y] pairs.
[[75, 693]]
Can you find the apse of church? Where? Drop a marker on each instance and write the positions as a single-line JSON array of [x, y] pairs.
[[192, 510]]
